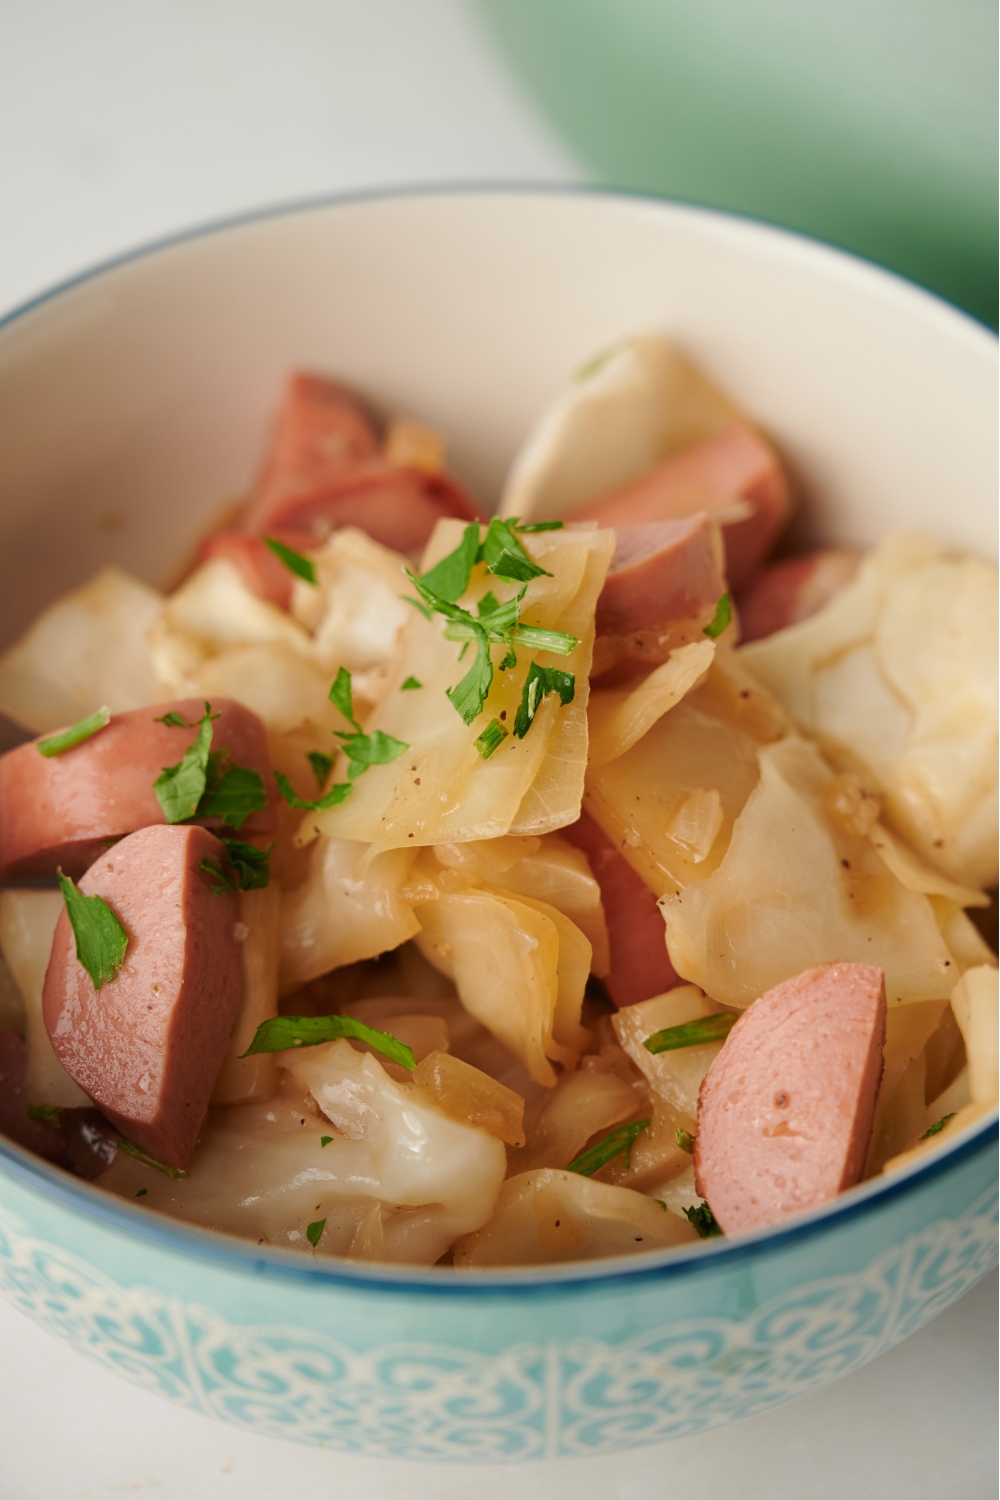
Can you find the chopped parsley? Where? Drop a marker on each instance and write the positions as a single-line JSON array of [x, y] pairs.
[[204, 785], [938, 1125], [333, 797], [142, 1192], [722, 617], [536, 525], [703, 1219], [101, 940], [301, 566], [173, 721], [314, 1231], [322, 765], [246, 867], [325, 1140], [539, 682], [491, 738], [281, 1033], [618, 1143], [685, 1140], [48, 1114], [151, 1161], [410, 685], [691, 1033], [362, 750], [493, 623], [55, 744]]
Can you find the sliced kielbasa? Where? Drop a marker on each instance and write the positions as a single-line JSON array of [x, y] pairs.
[[736, 477], [793, 589], [147, 1047], [65, 810], [321, 428], [785, 1111], [640, 965]]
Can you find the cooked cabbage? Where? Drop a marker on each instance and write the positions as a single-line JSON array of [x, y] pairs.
[[27, 924], [244, 1078]]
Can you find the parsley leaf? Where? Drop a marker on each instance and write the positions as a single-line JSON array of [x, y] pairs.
[[314, 1231], [410, 685], [247, 868], [491, 738], [685, 1140], [691, 1033], [938, 1125], [301, 566], [618, 1143], [332, 798], [505, 557], [174, 720], [325, 1140], [703, 1219], [55, 744], [536, 525], [282, 1032], [723, 615], [449, 578], [539, 682], [322, 765], [151, 1161], [202, 785], [362, 750], [101, 940], [468, 696], [48, 1113]]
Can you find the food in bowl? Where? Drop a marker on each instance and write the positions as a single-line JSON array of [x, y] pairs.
[[435, 889]]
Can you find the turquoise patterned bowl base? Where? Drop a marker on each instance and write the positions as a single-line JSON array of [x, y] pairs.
[[143, 390]]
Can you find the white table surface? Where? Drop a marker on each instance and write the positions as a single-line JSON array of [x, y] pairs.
[[122, 120]]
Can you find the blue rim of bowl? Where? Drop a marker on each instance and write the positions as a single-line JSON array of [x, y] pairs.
[[96, 1204]]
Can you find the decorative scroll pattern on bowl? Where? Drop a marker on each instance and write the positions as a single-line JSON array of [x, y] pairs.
[[581, 1396]]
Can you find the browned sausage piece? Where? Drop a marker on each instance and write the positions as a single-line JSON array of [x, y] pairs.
[[661, 572], [66, 810], [793, 589], [785, 1111], [736, 477], [640, 965], [147, 1047]]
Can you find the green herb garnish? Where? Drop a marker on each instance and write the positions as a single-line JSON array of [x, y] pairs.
[[691, 1033], [938, 1125], [232, 792], [685, 1140], [180, 788], [150, 1161], [314, 1231], [410, 685], [618, 1143], [703, 1219], [301, 566], [493, 623], [203, 785], [322, 765], [173, 720], [281, 1033], [246, 867], [142, 1192], [362, 750], [325, 1140], [332, 798], [536, 525], [101, 940], [491, 738], [47, 1113], [723, 615], [55, 744], [539, 682]]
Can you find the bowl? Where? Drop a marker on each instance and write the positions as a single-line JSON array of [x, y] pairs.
[[132, 403]]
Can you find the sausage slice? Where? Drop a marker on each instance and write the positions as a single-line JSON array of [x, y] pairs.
[[785, 1112], [147, 1047], [321, 428], [793, 589], [736, 477], [66, 810]]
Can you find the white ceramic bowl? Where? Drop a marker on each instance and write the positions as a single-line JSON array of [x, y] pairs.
[[141, 392]]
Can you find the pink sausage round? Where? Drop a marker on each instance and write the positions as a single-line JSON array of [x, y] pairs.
[[736, 477], [785, 1111], [66, 810], [640, 965], [147, 1047], [661, 572], [320, 429], [793, 589]]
